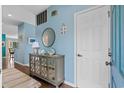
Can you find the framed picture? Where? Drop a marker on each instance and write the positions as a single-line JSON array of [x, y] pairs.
[[31, 40]]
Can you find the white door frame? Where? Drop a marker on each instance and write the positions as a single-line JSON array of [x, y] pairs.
[[75, 37]]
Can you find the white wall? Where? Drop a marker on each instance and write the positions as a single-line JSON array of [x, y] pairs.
[[11, 31]]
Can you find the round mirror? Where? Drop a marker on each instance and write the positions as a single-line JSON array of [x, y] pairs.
[[48, 37]]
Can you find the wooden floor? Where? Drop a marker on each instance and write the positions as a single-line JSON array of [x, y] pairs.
[[25, 69]]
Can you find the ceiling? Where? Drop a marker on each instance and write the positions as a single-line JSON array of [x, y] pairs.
[[19, 14], [35, 9]]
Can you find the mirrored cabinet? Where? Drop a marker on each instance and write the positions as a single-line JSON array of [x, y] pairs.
[[48, 67]]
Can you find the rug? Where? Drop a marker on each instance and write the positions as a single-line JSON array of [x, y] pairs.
[[13, 78]]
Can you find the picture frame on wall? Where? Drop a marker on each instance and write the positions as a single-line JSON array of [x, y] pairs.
[[31, 40]]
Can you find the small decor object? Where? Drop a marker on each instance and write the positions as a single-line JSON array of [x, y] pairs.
[[63, 28], [51, 51], [31, 40], [42, 52], [35, 47], [54, 13]]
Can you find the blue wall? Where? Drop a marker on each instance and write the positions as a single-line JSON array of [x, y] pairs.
[[64, 44], [24, 48], [117, 46]]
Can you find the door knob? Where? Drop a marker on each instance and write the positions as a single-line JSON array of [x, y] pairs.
[[109, 54], [108, 63], [79, 55]]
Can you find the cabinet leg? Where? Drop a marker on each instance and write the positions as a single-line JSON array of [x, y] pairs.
[[57, 86]]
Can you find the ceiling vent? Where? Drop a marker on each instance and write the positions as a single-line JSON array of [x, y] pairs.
[[42, 17]]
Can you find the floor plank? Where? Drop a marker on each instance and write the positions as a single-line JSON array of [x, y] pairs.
[[45, 84], [25, 69]]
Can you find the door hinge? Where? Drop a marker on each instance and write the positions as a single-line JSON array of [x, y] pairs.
[[109, 13]]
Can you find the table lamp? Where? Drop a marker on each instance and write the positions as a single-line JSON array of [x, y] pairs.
[[35, 46]]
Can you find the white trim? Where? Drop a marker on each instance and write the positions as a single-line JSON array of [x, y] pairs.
[[70, 84], [26, 65], [89, 9], [21, 63], [75, 38], [109, 47], [12, 36]]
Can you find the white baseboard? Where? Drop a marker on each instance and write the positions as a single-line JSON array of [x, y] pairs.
[[70, 84], [22, 63], [26, 65]]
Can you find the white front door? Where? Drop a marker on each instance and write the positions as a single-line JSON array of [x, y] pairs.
[[92, 48]]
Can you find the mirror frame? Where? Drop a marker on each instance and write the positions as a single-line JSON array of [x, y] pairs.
[[43, 34]]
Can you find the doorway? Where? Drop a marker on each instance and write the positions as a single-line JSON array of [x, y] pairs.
[[92, 47]]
